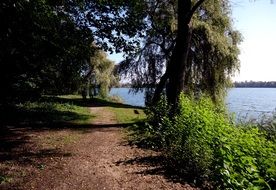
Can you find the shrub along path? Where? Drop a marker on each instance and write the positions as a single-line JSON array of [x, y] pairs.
[[94, 157]]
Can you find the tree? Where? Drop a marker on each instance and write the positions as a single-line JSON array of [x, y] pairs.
[[42, 49], [100, 75], [179, 59], [203, 60], [116, 25]]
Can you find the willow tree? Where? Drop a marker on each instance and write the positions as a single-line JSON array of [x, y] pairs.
[[214, 49], [100, 74], [194, 43]]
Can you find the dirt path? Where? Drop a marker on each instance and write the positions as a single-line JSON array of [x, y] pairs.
[[97, 158]]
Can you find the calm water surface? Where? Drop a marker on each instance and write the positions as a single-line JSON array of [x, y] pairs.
[[129, 97], [243, 102], [251, 102]]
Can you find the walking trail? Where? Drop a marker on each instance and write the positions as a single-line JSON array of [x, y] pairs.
[[97, 157]]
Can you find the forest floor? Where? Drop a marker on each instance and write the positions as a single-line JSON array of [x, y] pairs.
[[91, 156]]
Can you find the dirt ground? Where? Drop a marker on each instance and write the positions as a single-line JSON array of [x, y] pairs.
[[94, 157]]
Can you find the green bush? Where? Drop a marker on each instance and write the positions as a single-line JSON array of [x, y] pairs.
[[157, 127], [245, 159], [150, 134], [193, 136], [202, 142], [268, 124]]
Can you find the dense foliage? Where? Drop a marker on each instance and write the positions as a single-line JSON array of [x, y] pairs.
[[116, 25], [42, 49], [202, 143]]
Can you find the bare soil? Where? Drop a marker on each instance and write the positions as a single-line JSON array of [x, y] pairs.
[[91, 157]]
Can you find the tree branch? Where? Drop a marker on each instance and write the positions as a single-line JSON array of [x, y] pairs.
[[194, 8]]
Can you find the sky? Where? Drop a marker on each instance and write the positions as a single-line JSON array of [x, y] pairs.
[[257, 23], [256, 20]]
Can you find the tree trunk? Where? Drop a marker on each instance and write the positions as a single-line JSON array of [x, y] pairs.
[[159, 88], [180, 53], [178, 64]]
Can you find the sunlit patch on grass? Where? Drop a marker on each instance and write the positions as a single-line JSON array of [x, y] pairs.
[[128, 115]]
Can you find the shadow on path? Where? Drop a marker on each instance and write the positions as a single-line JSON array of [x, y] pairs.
[[19, 125], [16, 122], [15, 138], [155, 165]]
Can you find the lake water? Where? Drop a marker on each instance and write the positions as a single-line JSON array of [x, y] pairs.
[[251, 102], [248, 103]]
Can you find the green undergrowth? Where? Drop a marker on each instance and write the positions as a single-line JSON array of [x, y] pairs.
[[201, 142], [116, 99]]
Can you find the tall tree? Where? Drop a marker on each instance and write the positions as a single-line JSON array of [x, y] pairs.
[[196, 44], [179, 59]]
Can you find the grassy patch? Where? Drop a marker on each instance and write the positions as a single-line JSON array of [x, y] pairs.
[[128, 115], [48, 110], [71, 97], [56, 112], [116, 99]]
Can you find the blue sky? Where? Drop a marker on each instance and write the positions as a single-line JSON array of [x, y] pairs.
[[257, 23], [256, 20]]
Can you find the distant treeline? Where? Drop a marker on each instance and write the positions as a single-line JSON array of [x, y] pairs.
[[244, 84], [255, 84]]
